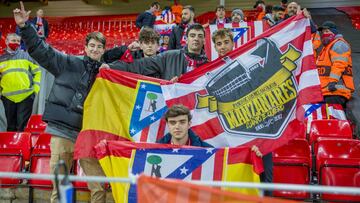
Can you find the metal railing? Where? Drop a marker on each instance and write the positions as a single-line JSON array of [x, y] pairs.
[[262, 186]]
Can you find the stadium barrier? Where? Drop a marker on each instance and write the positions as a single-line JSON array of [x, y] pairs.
[[261, 186]]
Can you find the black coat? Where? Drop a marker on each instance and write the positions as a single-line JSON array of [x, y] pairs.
[[74, 77], [145, 19], [116, 53], [226, 20], [166, 65], [175, 37], [194, 140]]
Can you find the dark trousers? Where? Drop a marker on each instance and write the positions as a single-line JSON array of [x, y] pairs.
[[336, 100], [267, 175], [18, 114]]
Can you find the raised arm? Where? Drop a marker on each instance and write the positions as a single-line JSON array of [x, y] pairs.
[[48, 57]]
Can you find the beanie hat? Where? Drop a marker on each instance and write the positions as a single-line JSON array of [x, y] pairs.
[[329, 25], [239, 12]]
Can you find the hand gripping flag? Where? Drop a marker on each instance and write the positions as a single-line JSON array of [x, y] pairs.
[[119, 159], [242, 33]]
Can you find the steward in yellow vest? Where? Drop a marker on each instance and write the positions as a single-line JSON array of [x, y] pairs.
[[20, 79]]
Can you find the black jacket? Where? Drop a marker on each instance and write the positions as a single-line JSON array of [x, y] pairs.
[[226, 20], [194, 140], [73, 79], [116, 53], [175, 37], [145, 19], [167, 64]]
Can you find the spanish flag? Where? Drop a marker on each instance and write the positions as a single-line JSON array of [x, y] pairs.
[[121, 106], [119, 159]]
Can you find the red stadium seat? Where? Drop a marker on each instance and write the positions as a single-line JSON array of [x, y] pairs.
[[16, 141], [40, 164], [35, 124], [338, 164], [292, 165], [40, 161], [11, 161], [329, 128]]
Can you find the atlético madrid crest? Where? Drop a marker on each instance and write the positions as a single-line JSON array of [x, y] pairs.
[[256, 100]]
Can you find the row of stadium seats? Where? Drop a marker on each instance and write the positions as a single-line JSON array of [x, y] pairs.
[[17, 156], [336, 163], [328, 157]]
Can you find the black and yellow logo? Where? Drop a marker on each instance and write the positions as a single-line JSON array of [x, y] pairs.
[[256, 100]]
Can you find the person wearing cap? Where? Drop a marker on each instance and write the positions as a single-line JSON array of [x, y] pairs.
[[334, 65], [237, 16]]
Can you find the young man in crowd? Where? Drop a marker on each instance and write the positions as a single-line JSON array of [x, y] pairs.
[[149, 42], [334, 65], [64, 108], [223, 41], [170, 64], [19, 82], [178, 120], [147, 46], [178, 34], [237, 16], [220, 16], [147, 18]]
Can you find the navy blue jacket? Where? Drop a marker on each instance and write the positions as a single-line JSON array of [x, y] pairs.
[[194, 140]]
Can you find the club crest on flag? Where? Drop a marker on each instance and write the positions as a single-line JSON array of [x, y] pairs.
[[255, 100], [149, 106], [170, 163], [238, 32]]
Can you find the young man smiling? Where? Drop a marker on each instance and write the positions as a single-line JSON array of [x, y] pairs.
[[64, 108], [223, 41]]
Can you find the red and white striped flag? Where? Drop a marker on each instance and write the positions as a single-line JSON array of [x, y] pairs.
[[253, 95], [322, 111], [243, 32], [165, 22]]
